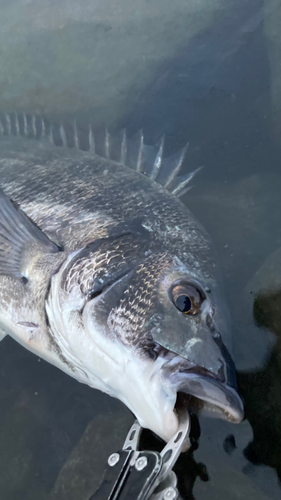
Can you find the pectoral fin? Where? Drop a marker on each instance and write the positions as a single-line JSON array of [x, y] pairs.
[[19, 236]]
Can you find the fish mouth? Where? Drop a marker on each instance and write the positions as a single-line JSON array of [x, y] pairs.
[[200, 390]]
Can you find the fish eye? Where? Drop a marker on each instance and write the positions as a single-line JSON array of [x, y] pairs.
[[187, 298]]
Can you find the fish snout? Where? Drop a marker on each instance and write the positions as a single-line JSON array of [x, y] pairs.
[[205, 373]]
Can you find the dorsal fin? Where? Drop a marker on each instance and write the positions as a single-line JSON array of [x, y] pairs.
[[134, 153]]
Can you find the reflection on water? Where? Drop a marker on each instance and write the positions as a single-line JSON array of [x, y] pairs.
[[215, 90]]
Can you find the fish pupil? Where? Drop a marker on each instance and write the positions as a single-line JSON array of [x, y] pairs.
[[183, 303]]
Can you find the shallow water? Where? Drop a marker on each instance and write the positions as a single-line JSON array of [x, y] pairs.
[[218, 89]]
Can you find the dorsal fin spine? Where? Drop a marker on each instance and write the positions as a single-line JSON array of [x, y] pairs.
[[107, 144], [33, 125], [92, 145], [158, 160], [63, 135], [17, 125], [139, 165], [43, 128], [183, 191], [179, 190], [123, 154], [177, 168], [25, 127], [76, 138]]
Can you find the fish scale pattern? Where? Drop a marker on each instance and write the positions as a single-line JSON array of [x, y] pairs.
[[103, 266], [129, 317]]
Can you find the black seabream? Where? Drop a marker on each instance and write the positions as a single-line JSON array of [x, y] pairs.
[[107, 275]]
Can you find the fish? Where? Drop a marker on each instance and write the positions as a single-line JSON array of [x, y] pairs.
[[106, 274]]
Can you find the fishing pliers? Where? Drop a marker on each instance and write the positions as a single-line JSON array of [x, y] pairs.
[[131, 474]]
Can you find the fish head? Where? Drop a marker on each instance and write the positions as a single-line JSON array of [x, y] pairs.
[[192, 330], [146, 330]]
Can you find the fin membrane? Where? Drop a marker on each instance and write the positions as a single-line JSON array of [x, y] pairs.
[[17, 233], [134, 153]]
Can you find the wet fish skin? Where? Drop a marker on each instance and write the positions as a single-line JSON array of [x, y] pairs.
[[101, 300]]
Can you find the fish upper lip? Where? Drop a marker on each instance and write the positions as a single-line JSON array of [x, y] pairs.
[[181, 366], [200, 370]]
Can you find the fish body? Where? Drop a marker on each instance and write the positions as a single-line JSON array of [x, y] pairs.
[[107, 275]]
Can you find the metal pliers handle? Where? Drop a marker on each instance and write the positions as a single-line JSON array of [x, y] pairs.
[[131, 474]]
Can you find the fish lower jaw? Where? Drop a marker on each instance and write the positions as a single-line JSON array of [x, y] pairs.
[[207, 396]]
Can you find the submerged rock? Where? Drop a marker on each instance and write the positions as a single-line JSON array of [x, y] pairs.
[[82, 473]]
